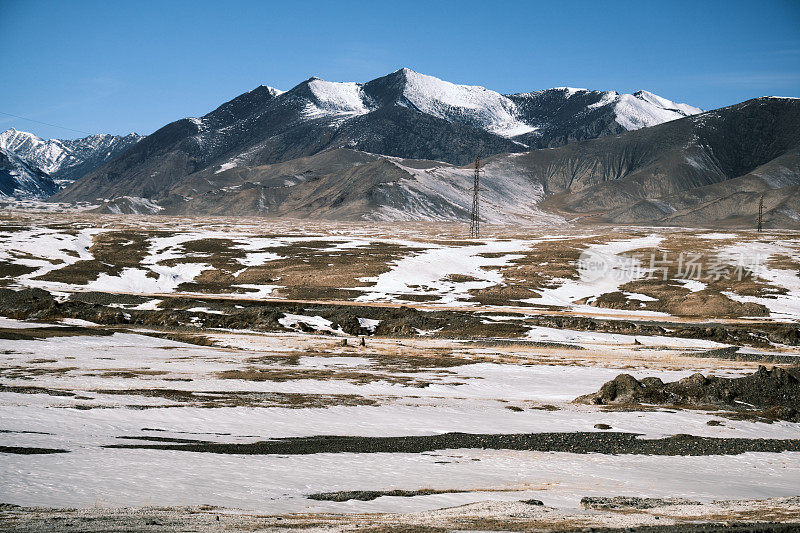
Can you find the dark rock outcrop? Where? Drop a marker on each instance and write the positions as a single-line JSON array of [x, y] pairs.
[[773, 393]]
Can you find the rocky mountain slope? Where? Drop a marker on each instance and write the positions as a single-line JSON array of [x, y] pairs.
[[348, 184], [61, 160], [404, 114], [708, 169], [19, 180]]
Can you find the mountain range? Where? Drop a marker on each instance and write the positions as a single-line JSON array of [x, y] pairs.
[[31, 167], [403, 114], [399, 147]]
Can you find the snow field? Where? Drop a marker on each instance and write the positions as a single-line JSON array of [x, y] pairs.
[[470, 398]]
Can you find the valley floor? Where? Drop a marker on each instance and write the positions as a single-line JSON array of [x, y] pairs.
[[160, 373]]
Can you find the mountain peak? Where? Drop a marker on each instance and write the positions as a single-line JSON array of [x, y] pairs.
[[15, 133], [470, 104], [266, 88], [570, 91], [336, 98]]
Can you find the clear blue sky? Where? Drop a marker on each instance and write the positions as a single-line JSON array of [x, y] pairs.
[[136, 65]]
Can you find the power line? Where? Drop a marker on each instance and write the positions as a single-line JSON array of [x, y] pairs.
[[45, 123]]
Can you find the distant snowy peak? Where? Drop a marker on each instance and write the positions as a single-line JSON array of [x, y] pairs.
[[632, 111], [21, 180], [471, 104], [643, 109], [59, 156], [47, 155]]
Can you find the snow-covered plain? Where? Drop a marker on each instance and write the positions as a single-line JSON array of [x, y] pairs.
[[44, 249], [272, 484], [81, 392], [107, 375], [592, 338]]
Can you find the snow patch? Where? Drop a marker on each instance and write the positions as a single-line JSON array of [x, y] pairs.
[[336, 98], [617, 271], [448, 273], [314, 322], [368, 323]]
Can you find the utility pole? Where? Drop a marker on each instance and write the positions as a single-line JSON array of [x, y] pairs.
[[760, 212], [474, 225]]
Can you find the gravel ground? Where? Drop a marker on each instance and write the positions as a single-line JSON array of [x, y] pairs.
[[772, 515]]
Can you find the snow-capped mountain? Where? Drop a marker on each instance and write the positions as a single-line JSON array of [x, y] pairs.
[[65, 159], [403, 114], [508, 116], [505, 115], [19, 180]]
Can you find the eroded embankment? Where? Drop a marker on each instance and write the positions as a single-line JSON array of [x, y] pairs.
[[242, 314]]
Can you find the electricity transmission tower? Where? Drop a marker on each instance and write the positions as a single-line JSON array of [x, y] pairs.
[[760, 212], [474, 225]]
